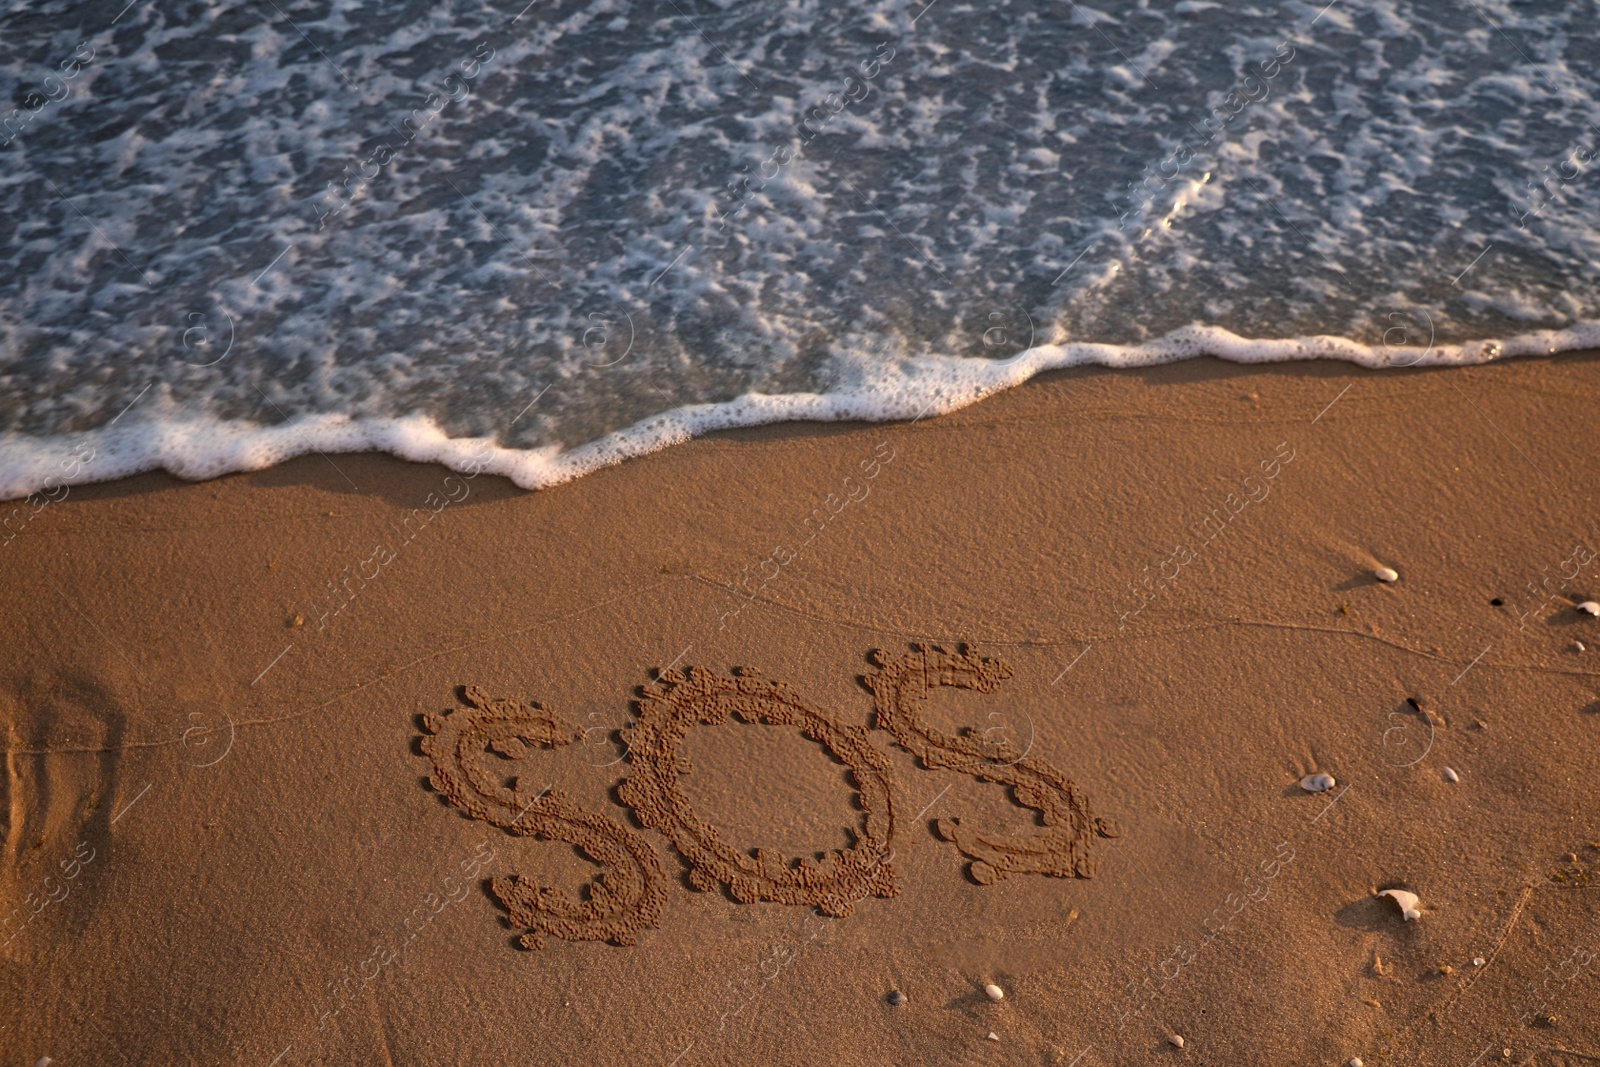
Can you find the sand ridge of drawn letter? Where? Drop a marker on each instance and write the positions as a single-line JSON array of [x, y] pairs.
[[680, 701], [629, 893], [1061, 850]]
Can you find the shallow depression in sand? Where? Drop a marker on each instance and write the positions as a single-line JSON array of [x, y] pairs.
[[770, 787]]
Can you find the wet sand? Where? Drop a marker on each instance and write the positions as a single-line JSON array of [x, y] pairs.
[[222, 844]]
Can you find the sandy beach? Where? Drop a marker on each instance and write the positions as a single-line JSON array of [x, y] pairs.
[[227, 841]]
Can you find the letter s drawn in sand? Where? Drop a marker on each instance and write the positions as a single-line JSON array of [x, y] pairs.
[[628, 895], [1061, 850]]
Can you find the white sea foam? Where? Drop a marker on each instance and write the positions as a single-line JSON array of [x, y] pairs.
[[929, 386]]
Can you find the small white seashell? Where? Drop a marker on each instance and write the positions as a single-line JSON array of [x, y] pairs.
[[1355, 1061], [994, 992], [993, 1036], [1590, 607], [1317, 783], [1477, 961], [1386, 574], [1577, 646], [1451, 776], [1407, 900], [1176, 1040]]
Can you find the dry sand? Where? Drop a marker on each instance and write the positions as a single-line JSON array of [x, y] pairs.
[[252, 869]]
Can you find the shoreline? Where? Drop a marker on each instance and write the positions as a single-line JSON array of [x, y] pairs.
[[932, 386]]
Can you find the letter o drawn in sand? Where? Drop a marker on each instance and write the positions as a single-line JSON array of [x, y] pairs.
[[1061, 850], [668, 710], [629, 893]]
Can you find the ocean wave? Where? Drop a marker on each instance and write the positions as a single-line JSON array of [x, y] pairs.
[[928, 386], [577, 231]]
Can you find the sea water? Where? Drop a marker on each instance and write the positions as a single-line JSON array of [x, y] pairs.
[[538, 239]]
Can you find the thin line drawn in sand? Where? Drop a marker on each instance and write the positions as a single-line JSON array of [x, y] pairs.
[[1472, 976], [629, 893], [680, 701], [1417, 1038], [1061, 850]]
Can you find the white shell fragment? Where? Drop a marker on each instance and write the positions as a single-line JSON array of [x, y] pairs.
[[1590, 607], [1407, 900], [1355, 1061], [1317, 783], [994, 992], [993, 1036], [1386, 574], [1451, 776], [1477, 961], [1176, 1040]]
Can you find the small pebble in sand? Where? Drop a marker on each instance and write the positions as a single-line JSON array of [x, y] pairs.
[[1355, 1061], [897, 998], [1477, 961], [1317, 783], [44, 1061], [1408, 901], [1505, 1054], [1571, 857], [1590, 607], [1447, 970], [1451, 776], [1176, 1040], [994, 992], [993, 1036], [1577, 646], [1386, 574]]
